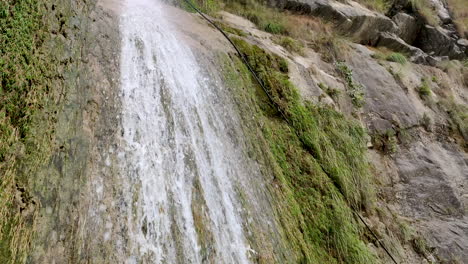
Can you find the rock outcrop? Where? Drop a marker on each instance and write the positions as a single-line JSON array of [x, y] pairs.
[[438, 42], [364, 26]]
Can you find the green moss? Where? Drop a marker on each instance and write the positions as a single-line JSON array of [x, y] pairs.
[[24, 107], [231, 30], [265, 18], [317, 158]]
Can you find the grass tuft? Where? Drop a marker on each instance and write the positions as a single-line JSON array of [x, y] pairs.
[[425, 89], [290, 44], [397, 57]]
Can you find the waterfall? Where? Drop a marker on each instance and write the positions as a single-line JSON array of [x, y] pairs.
[[179, 161]]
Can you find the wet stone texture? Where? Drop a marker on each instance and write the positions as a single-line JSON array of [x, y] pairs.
[[87, 123]]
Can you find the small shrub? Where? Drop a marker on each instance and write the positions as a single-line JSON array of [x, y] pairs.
[[397, 57], [426, 122], [459, 10], [332, 92], [355, 89], [381, 6], [275, 28], [420, 246], [386, 142], [425, 89], [458, 114]]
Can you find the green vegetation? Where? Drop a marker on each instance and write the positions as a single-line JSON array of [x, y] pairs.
[[232, 30], [25, 119], [426, 122], [355, 89], [397, 57], [332, 92], [317, 158], [290, 44], [267, 19], [425, 89], [207, 6], [386, 142]]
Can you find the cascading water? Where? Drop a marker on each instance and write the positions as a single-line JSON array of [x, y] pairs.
[[178, 160]]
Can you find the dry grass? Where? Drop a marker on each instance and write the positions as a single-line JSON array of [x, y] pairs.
[[381, 6], [459, 9], [426, 10]]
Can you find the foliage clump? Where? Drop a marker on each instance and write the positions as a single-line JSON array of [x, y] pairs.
[[397, 57], [425, 89], [355, 89]]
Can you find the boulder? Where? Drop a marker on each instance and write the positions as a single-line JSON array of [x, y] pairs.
[[437, 41], [408, 27], [393, 42], [442, 11]]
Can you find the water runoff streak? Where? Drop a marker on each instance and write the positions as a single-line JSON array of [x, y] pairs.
[[178, 160]]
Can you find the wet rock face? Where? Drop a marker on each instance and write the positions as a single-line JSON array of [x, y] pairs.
[[65, 232]]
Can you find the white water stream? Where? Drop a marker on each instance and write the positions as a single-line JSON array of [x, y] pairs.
[[177, 144]]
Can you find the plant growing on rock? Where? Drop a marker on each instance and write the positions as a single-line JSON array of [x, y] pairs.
[[355, 89], [290, 44], [332, 92], [425, 89], [397, 57], [426, 122]]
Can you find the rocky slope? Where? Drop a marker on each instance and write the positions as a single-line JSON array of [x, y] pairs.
[[416, 146]]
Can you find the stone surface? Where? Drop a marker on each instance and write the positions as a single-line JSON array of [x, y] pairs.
[[436, 41], [434, 180], [393, 42], [351, 19], [408, 27], [385, 98]]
